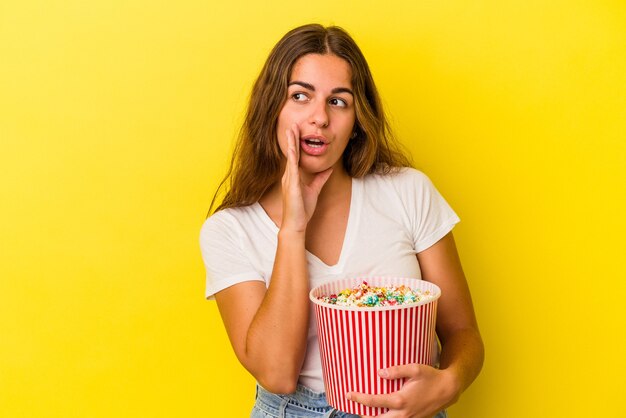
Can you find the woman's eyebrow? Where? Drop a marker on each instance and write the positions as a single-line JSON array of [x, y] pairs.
[[312, 88], [303, 84], [342, 90]]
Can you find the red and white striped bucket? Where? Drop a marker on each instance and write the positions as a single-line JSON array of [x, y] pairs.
[[355, 342]]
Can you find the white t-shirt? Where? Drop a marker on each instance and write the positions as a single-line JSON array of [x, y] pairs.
[[392, 218]]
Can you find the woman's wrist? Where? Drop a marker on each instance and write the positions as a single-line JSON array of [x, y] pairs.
[[291, 234], [453, 385]]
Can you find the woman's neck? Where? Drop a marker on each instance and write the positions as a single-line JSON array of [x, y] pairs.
[[336, 186]]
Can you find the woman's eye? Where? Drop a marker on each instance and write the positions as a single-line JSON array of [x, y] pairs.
[[338, 102], [299, 97]]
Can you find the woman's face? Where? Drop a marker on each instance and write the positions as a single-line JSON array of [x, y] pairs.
[[321, 103]]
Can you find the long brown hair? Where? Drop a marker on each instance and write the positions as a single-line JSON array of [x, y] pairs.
[[256, 160]]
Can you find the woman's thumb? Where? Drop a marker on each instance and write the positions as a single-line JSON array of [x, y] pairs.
[[320, 179]]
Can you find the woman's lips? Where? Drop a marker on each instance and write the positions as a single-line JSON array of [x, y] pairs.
[[313, 145]]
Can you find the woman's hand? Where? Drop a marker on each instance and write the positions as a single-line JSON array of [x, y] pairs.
[[426, 392], [299, 198]]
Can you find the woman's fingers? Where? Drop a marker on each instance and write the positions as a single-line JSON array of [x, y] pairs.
[[296, 139], [293, 139], [412, 370], [293, 146], [292, 171], [374, 401]]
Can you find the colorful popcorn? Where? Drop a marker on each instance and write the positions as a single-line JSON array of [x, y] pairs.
[[365, 295]]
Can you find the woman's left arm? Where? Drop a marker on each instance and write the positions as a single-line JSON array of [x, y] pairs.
[[428, 390]]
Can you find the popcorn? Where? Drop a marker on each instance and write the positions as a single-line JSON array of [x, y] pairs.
[[368, 296]]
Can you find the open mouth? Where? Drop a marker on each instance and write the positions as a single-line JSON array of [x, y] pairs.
[[314, 143], [313, 146]]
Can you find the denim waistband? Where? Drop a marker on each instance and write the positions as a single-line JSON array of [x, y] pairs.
[[304, 402]]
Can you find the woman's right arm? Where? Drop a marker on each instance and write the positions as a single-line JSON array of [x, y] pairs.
[[268, 327]]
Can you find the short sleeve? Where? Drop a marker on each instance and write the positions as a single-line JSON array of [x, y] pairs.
[[223, 254], [431, 217]]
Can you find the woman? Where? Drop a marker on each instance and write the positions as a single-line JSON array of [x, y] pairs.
[[318, 190]]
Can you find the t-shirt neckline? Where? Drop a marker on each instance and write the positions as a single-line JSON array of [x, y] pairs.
[[353, 215]]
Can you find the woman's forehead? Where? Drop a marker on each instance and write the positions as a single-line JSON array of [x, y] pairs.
[[322, 69]]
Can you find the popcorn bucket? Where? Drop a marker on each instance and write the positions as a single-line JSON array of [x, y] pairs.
[[355, 342]]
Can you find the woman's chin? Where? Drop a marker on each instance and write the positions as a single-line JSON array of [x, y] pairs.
[[312, 168], [309, 171]]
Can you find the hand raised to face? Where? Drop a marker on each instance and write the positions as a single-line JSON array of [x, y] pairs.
[[299, 195]]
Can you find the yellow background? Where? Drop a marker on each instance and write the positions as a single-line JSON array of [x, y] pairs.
[[117, 118]]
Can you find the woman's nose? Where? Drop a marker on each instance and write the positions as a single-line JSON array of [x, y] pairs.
[[319, 115]]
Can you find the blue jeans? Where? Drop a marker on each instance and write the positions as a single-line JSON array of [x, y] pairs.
[[304, 403]]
